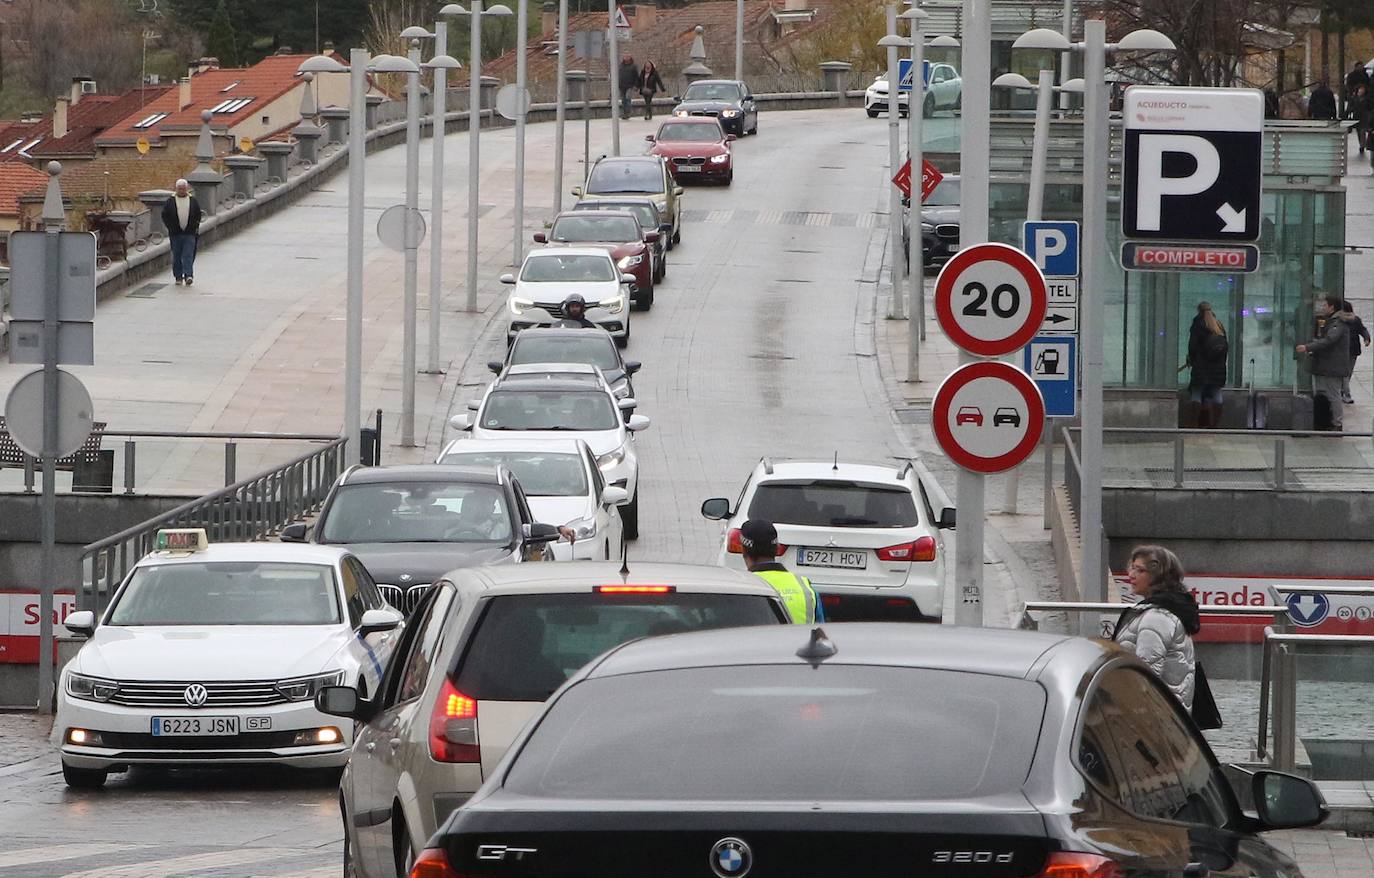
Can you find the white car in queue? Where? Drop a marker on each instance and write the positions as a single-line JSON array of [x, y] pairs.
[[564, 401], [547, 277], [213, 654], [563, 485], [867, 536]]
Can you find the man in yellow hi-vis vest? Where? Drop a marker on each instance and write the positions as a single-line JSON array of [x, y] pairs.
[[759, 539]]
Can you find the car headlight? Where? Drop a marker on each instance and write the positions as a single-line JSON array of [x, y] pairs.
[[927, 227], [519, 306], [729, 114], [614, 306], [306, 688], [720, 159], [611, 459], [680, 113], [630, 261], [91, 688]]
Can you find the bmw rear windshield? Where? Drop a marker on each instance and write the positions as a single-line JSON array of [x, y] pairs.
[[833, 503], [787, 732], [526, 646], [611, 177]]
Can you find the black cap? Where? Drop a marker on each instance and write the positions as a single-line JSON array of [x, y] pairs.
[[759, 537]]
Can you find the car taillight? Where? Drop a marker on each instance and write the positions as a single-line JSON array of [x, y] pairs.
[[735, 547], [1067, 864], [453, 727], [917, 550], [433, 863], [634, 589]]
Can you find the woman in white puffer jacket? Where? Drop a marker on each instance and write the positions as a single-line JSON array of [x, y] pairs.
[[1159, 628]]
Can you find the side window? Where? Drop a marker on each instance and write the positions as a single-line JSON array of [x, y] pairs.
[[1209, 797], [353, 595], [418, 662], [526, 517], [372, 596], [598, 483]]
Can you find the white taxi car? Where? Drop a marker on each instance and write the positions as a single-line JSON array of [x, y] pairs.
[[212, 654], [867, 536]]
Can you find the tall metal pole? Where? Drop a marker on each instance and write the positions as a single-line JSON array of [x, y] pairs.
[[973, 229], [474, 148], [521, 25], [353, 325], [739, 40], [53, 220], [1095, 145], [894, 157], [1066, 58], [1035, 200], [436, 200], [613, 66], [915, 248], [561, 111], [412, 251]]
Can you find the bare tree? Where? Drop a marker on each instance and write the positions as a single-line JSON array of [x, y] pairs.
[[60, 39]]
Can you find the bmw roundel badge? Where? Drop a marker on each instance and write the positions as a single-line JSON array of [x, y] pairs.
[[731, 858]]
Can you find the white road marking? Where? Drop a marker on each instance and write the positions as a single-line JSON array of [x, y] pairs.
[[188, 864], [59, 852]]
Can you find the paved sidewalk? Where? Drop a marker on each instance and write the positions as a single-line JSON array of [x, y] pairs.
[[23, 739]]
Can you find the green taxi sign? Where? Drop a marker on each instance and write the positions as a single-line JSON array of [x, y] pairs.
[[181, 539]]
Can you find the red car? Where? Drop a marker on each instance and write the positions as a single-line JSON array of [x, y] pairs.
[[696, 148], [618, 233]]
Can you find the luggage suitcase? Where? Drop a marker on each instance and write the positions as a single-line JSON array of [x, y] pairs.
[[1321, 412], [1258, 410]]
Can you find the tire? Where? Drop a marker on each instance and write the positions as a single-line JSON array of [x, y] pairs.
[[623, 341], [349, 870], [663, 266], [647, 300], [84, 778], [629, 517], [872, 113], [928, 107], [730, 177], [401, 851]]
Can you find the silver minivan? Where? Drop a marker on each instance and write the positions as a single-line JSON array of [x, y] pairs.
[[482, 652]]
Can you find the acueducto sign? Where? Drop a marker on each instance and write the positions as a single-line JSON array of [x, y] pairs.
[[19, 618]]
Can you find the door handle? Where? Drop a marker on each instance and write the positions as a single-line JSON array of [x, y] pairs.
[[371, 745]]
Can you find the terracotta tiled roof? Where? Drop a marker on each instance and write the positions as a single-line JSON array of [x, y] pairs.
[[17, 178], [264, 82], [128, 176], [86, 121]]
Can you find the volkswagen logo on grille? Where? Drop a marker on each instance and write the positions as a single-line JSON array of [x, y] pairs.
[[731, 858], [196, 695]]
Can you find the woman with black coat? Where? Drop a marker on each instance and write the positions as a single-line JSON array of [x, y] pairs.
[[1207, 350]]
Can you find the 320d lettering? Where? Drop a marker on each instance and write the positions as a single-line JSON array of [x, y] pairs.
[[1002, 857]]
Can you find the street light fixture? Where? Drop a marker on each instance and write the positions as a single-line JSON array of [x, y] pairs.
[[441, 63]]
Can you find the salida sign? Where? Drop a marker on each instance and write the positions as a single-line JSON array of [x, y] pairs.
[[19, 618]]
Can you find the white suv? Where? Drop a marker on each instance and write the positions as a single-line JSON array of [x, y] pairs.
[[548, 277], [866, 536]]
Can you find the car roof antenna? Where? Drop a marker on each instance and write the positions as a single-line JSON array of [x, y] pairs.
[[624, 556], [836, 467], [819, 648]]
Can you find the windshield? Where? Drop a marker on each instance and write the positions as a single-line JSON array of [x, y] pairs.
[[418, 512], [612, 176], [945, 195], [576, 410], [712, 91], [690, 132], [563, 269], [526, 646], [794, 734], [229, 593], [647, 214], [833, 504], [591, 348], [610, 229], [541, 474]]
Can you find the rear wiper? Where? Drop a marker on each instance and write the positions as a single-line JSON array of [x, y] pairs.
[[850, 522]]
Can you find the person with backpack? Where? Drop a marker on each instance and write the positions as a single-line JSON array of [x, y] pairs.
[[1357, 332], [1207, 352]]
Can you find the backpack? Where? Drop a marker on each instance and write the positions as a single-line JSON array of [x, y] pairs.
[[1215, 347]]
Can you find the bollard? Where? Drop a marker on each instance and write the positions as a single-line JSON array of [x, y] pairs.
[[308, 136], [834, 77], [370, 113], [243, 170], [153, 199], [336, 122], [278, 155]]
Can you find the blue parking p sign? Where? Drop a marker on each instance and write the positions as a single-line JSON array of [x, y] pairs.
[[1053, 246], [1052, 363], [904, 73]]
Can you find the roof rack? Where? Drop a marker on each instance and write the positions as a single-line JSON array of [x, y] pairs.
[[906, 467], [768, 465]]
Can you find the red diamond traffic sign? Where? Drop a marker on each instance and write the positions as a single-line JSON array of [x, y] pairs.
[[990, 299], [988, 416], [930, 178]]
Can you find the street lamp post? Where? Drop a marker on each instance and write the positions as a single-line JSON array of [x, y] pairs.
[[892, 42], [441, 65], [412, 238], [518, 215], [613, 66], [739, 40], [915, 252], [561, 110]]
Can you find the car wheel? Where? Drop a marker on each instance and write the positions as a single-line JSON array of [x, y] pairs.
[[872, 113], [84, 778], [646, 300], [629, 517], [730, 177], [928, 107], [663, 266], [349, 870], [621, 341], [401, 850]]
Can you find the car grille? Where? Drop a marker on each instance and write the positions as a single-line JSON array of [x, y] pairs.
[[404, 599], [696, 160], [712, 113], [948, 231], [244, 740], [556, 311], [250, 693]]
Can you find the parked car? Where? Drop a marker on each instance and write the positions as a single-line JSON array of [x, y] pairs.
[[620, 235], [875, 98], [939, 223], [945, 91], [696, 148], [593, 347], [489, 645], [728, 100], [548, 277], [612, 179], [411, 524], [646, 211]]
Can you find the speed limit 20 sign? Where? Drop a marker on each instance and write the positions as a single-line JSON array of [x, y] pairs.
[[990, 299]]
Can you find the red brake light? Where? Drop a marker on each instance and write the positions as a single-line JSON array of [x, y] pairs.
[[635, 589], [453, 728], [735, 547], [433, 863], [1066, 864], [917, 550]]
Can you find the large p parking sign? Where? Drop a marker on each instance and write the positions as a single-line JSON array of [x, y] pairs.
[[1192, 164]]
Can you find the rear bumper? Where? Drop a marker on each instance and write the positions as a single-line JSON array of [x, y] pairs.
[[850, 606]]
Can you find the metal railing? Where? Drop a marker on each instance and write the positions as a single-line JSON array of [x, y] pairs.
[[251, 509], [1278, 612]]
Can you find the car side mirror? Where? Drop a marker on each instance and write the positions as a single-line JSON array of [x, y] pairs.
[[508, 279], [665, 229], [730, 138], [1286, 801], [495, 366], [716, 509], [541, 238], [379, 620], [627, 278], [540, 533], [637, 423], [81, 622], [678, 99], [948, 517], [650, 138], [628, 404], [678, 190], [613, 496], [651, 237], [460, 422], [632, 366], [294, 533], [577, 190], [339, 701], [748, 97]]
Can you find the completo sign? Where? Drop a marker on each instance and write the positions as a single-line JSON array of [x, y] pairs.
[[1137, 256], [19, 619]]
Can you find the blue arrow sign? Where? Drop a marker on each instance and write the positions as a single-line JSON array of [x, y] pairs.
[[1052, 363], [1308, 610], [904, 73]]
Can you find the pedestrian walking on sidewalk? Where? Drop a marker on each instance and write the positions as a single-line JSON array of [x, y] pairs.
[[1358, 110], [1159, 628], [1330, 353], [649, 84], [1321, 104], [1357, 330], [1207, 352], [181, 215], [627, 81]]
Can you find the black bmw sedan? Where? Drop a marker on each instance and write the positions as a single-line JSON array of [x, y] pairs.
[[728, 100], [867, 750]]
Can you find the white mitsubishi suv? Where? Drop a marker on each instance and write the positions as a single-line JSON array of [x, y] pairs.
[[866, 536]]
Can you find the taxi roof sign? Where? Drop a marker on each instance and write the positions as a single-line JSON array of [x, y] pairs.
[[181, 539]]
